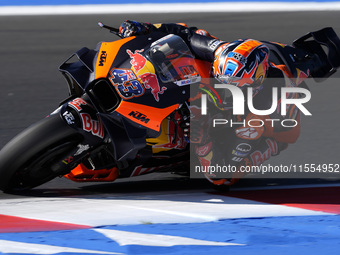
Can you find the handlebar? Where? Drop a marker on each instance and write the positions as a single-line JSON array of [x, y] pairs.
[[111, 29]]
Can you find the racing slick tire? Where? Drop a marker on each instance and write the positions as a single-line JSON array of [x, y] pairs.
[[33, 157]]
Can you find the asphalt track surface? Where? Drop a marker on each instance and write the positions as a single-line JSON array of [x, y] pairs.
[[32, 48]]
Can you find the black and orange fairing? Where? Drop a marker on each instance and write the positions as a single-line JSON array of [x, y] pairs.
[[149, 90], [135, 84], [107, 53], [147, 116]]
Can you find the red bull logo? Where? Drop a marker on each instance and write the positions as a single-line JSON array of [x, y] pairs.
[[138, 61], [93, 126], [150, 82], [142, 68]]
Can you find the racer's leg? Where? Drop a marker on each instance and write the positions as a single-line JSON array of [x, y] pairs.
[[233, 154]]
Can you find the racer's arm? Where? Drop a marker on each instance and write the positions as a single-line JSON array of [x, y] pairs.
[[203, 46]]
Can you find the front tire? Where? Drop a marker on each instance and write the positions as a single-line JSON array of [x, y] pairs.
[[34, 156]]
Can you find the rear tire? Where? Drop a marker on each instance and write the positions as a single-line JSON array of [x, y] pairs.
[[34, 156]]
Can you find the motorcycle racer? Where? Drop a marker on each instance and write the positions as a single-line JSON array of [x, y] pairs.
[[245, 64], [130, 100]]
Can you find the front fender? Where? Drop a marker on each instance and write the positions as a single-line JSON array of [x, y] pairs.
[[82, 117]]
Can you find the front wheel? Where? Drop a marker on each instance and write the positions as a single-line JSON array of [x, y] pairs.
[[37, 155]]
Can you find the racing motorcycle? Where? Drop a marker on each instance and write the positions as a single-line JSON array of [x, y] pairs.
[[127, 102]]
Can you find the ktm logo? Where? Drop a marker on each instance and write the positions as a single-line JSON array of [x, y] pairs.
[[139, 116], [102, 59]]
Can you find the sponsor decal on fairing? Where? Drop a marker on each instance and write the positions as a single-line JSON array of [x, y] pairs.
[[77, 103], [145, 72], [93, 126], [102, 58]]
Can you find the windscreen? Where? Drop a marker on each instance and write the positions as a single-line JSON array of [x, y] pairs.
[[173, 61]]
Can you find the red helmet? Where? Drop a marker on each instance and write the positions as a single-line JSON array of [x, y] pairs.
[[242, 63]]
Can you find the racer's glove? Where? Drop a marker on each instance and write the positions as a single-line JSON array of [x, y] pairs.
[[130, 27]]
